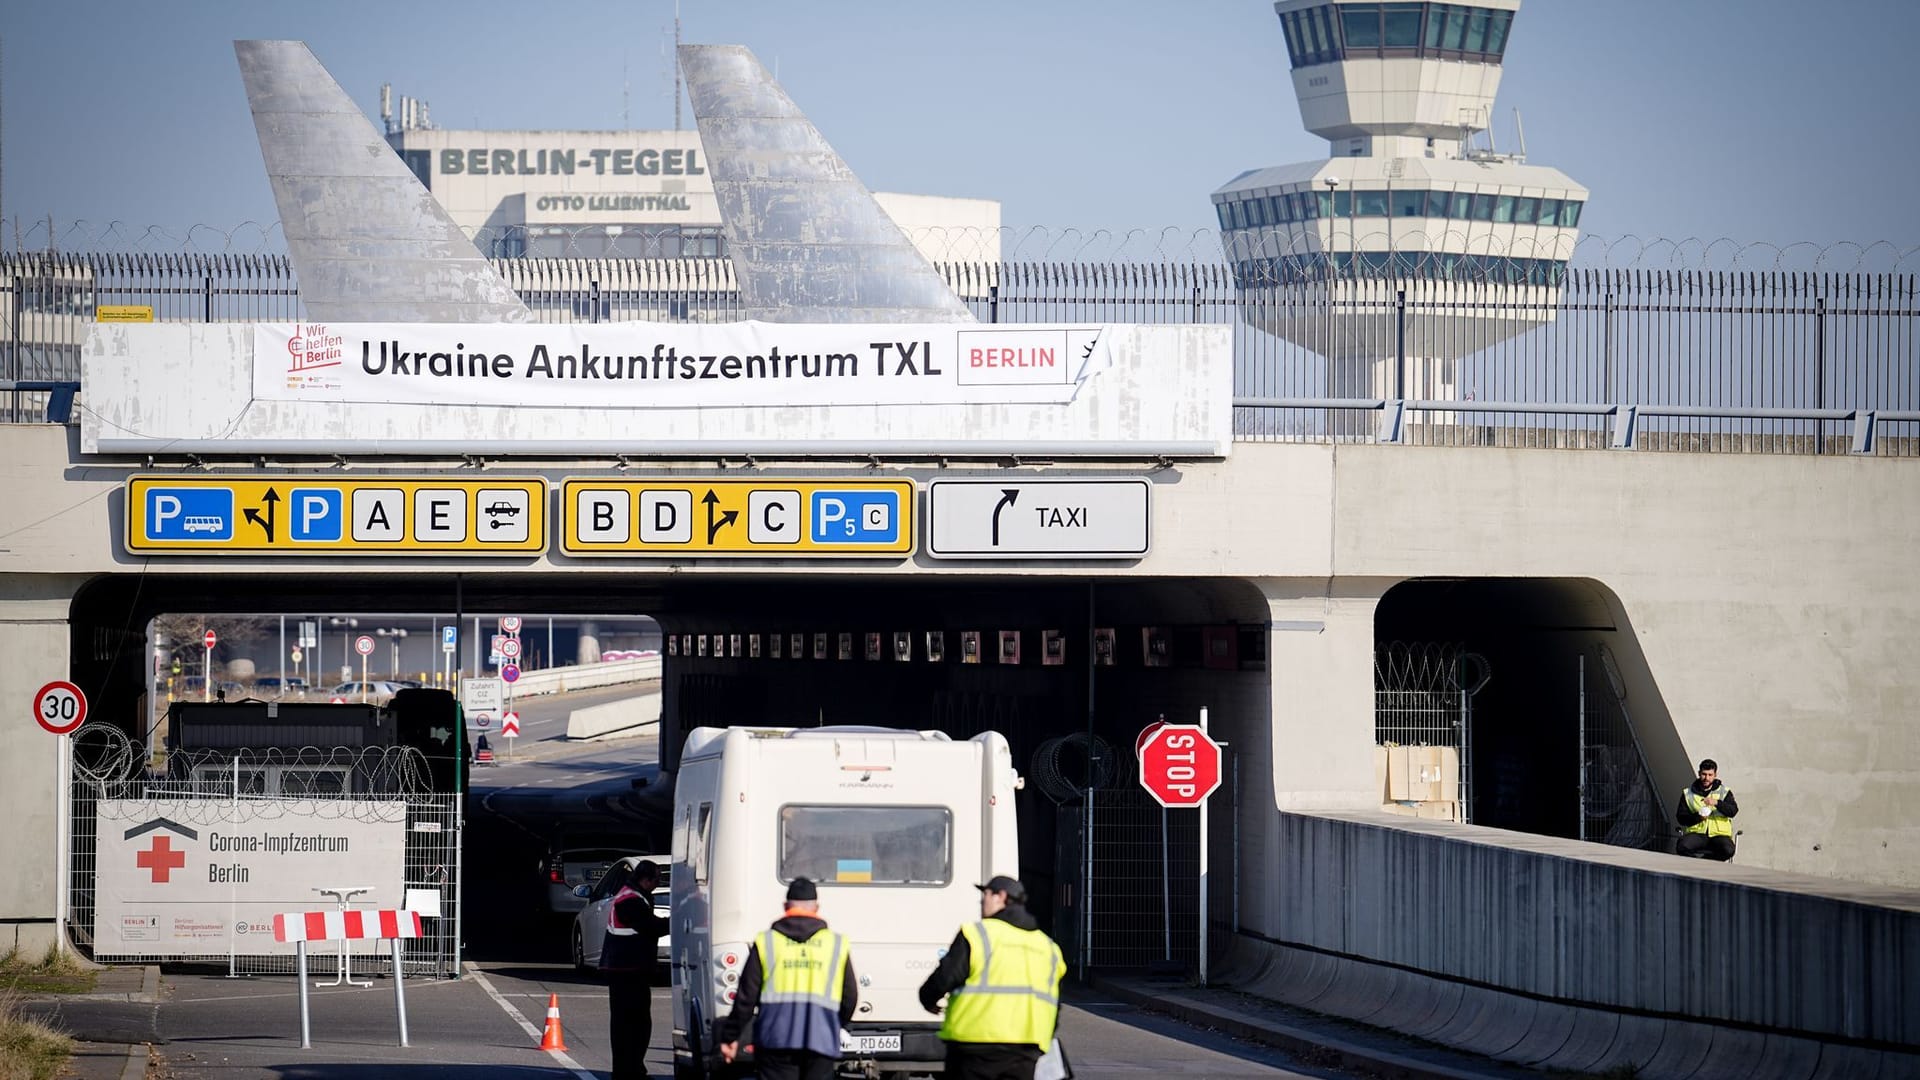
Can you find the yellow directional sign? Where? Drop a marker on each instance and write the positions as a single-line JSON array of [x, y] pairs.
[[758, 518], [332, 515], [123, 313]]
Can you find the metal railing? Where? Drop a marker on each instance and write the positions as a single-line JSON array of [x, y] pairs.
[[1769, 361]]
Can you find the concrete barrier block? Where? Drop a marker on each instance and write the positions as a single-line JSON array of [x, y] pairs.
[[1682, 1051], [1635, 1042], [614, 717], [1593, 1033], [1552, 1024]]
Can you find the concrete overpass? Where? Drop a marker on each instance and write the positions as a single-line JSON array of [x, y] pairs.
[[1759, 610]]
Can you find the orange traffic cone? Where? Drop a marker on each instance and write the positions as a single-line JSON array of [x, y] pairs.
[[552, 1039]]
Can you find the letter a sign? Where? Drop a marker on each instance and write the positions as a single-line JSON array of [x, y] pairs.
[[1179, 764]]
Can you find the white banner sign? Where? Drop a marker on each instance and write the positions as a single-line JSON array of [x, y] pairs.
[[675, 365], [204, 877]]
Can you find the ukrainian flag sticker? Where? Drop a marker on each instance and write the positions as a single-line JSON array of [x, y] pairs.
[[853, 870]]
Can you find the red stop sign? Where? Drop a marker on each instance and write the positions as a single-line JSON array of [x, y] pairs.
[[1179, 764]]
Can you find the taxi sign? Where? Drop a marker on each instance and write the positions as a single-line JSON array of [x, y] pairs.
[[772, 518], [334, 515]]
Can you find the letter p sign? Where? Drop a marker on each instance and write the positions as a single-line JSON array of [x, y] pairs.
[[318, 515]]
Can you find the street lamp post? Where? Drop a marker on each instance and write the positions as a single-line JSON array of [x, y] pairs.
[[393, 634]]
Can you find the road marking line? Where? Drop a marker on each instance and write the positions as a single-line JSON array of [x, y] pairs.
[[533, 1033]]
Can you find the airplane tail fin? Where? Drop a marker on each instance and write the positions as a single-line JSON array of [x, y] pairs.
[[368, 241]]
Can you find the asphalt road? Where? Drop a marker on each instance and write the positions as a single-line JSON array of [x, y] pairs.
[[489, 1024]]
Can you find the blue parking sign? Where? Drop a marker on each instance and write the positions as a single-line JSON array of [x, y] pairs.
[[194, 513], [856, 517], [316, 514]]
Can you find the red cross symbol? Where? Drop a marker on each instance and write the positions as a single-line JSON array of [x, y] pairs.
[[161, 858]]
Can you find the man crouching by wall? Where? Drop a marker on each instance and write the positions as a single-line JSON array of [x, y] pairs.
[[1706, 812]]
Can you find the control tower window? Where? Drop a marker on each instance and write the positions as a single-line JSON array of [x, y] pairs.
[[1360, 26], [1497, 32], [1330, 33], [1437, 204], [1483, 208], [1524, 208], [1503, 209], [1409, 203], [1371, 204], [1401, 28]]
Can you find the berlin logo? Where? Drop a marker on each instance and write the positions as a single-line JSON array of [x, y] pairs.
[[312, 347], [160, 856]]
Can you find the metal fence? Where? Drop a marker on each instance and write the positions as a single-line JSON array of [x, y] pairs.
[[1618, 802], [1423, 696], [109, 776], [1767, 361]]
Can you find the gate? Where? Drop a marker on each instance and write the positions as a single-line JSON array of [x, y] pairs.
[[1127, 869], [1423, 696], [290, 791], [1619, 804]]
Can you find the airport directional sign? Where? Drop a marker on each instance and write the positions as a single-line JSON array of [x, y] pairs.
[[1083, 517], [678, 517], [324, 514]]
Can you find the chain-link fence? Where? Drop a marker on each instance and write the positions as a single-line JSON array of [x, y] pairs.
[[281, 792], [1618, 802], [1128, 868], [1423, 696]]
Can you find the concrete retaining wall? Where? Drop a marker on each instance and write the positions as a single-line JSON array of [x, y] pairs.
[[615, 717], [1587, 925], [1546, 1035]]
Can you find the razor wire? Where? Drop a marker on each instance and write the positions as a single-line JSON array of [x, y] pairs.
[[1064, 244], [113, 781], [1066, 766]]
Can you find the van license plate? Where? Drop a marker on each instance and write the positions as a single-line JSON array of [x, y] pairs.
[[869, 1044]]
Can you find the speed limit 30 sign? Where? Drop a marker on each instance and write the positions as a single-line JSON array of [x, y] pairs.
[[60, 707]]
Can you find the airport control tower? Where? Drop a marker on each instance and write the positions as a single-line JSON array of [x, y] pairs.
[[1413, 198]]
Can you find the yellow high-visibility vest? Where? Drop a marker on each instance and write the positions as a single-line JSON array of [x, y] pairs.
[[1710, 823], [800, 983], [1012, 992]]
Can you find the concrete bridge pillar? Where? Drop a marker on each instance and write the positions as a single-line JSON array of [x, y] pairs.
[[35, 639]]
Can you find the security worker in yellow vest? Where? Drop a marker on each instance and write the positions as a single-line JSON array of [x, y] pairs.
[[1706, 812], [1001, 978], [799, 978]]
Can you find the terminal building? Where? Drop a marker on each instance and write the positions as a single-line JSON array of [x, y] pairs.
[[622, 194]]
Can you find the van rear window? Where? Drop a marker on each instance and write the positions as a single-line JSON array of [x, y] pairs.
[[867, 845]]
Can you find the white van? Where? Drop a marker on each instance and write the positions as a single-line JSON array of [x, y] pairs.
[[895, 827]]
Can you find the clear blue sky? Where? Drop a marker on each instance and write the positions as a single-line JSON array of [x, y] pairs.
[[1759, 120]]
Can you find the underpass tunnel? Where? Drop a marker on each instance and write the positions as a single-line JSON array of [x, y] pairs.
[[1042, 672], [1540, 688]]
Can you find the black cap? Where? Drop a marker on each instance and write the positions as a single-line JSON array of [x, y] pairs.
[[802, 889], [1016, 892]]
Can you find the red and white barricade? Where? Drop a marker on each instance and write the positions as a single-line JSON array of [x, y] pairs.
[[301, 927]]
